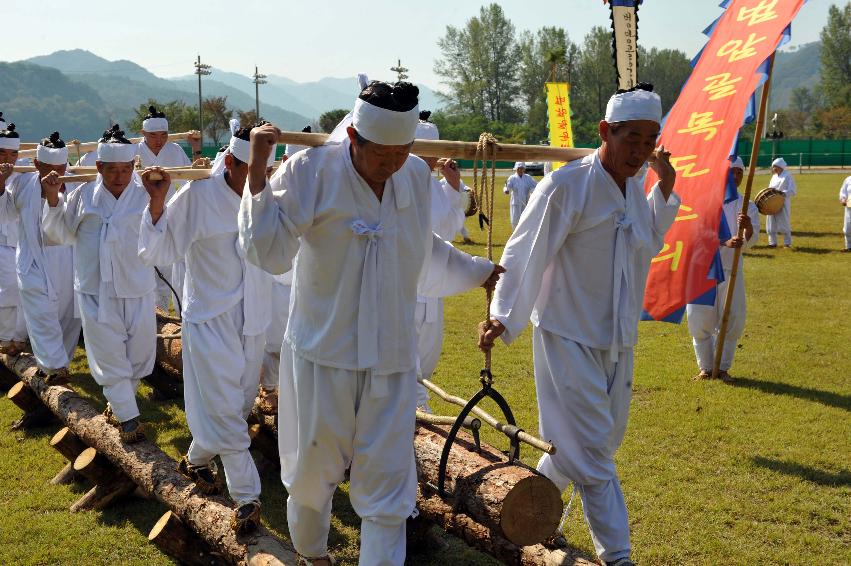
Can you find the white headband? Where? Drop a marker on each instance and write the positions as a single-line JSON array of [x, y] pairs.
[[634, 105], [520, 164], [239, 148], [116, 152], [737, 163], [385, 127], [52, 156], [779, 162], [10, 143], [427, 131], [152, 125]]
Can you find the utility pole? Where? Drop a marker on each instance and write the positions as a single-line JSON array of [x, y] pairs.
[[258, 80], [400, 70], [201, 69]]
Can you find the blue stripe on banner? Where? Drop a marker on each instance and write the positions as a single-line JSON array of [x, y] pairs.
[[724, 232], [625, 3], [706, 299], [731, 192]]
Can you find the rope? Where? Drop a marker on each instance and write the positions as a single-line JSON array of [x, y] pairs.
[[486, 147]]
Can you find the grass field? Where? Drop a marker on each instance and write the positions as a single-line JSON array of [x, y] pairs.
[[759, 472]]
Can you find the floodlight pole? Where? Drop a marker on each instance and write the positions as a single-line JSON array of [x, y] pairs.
[[201, 69], [258, 80]]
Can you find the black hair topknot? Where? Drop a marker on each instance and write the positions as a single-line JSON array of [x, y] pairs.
[[9, 132], [53, 142], [114, 135], [640, 86], [245, 133], [154, 113], [399, 97], [306, 130], [425, 115]]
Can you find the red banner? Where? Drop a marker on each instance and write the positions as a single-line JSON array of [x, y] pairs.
[[699, 132]]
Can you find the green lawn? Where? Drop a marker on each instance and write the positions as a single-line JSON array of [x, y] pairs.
[[713, 474]]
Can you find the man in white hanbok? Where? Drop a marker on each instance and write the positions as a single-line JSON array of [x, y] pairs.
[[156, 151], [577, 263], [357, 211], [13, 328], [704, 321], [519, 187], [115, 290], [225, 315], [447, 218], [781, 222], [845, 201], [43, 266]]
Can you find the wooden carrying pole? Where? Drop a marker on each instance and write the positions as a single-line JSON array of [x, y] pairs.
[[177, 174], [737, 253], [461, 150], [83, 147]]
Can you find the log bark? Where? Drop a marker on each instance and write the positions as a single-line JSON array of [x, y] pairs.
[[174, 538], [509, 500], [169, 350], [69, 445], [111, 484], [36, 414], [155, 473], [438, 511]]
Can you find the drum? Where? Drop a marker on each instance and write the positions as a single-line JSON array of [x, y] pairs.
[[769, 201]]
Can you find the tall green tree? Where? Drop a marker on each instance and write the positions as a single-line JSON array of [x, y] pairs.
[[329, 120], [216, 118], [667, 70], [595, 82], [479, 66], [836, 56]]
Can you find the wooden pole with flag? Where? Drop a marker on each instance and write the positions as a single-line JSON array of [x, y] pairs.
[[737, 253]]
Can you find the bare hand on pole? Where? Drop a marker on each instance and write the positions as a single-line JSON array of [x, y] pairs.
[[449, 169], [263, 141], [660, 162], [6, 172], [156, 181], [50, 186]]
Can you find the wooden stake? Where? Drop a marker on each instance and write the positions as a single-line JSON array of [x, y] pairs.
[[111, 484], [174, 538], [36, 414], [737, 253], [69, 445]]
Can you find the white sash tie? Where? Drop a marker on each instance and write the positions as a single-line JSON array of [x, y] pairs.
[[368, 308], [621, 277]]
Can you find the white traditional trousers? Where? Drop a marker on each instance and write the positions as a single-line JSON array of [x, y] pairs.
[[583, 406], [847, 228], [516, 210], [280, 308], [429, 320], [704, 322], [120, 346], [53, 325], [331, 419], [12, 323], [780, 223], [221, 370]]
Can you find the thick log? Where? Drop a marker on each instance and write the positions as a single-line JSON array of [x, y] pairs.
[[169, 350], [434, 509], [36, 414], [510, 500], [95, 467], [155, 473], [7, 379], [264, 441], [171, 536], [111, 484], [69, 445]]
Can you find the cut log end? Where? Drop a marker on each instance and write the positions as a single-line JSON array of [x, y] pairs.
[[174, 538], [531, 511], [25, 398], [67, 443]]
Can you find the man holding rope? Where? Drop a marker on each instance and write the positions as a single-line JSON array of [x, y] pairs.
[[577, 263], [357, 211]]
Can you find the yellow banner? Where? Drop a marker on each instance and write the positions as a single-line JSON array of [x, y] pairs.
[[558, 107]]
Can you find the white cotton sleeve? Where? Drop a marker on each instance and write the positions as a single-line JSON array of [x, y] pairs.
[[60, 222], [664, 212], [8, 210], [266, 235], [167, 241], [531, 248], [451, 271]]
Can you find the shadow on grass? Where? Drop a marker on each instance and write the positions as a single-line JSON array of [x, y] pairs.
[[828, 398], [761, 256], [813, 234], [815, 251], [808, 473]]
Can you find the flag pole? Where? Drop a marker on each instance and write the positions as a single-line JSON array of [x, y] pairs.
[[737, 253]]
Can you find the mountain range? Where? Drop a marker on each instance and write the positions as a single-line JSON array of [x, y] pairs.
[[88, 92]]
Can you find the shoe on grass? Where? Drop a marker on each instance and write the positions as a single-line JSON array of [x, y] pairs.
[[60, 376], [703, 375], [724, 376]]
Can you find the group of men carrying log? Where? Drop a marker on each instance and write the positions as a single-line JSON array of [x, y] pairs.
[[355, 233]]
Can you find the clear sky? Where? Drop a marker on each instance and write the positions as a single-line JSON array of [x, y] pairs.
[[308, 40]]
